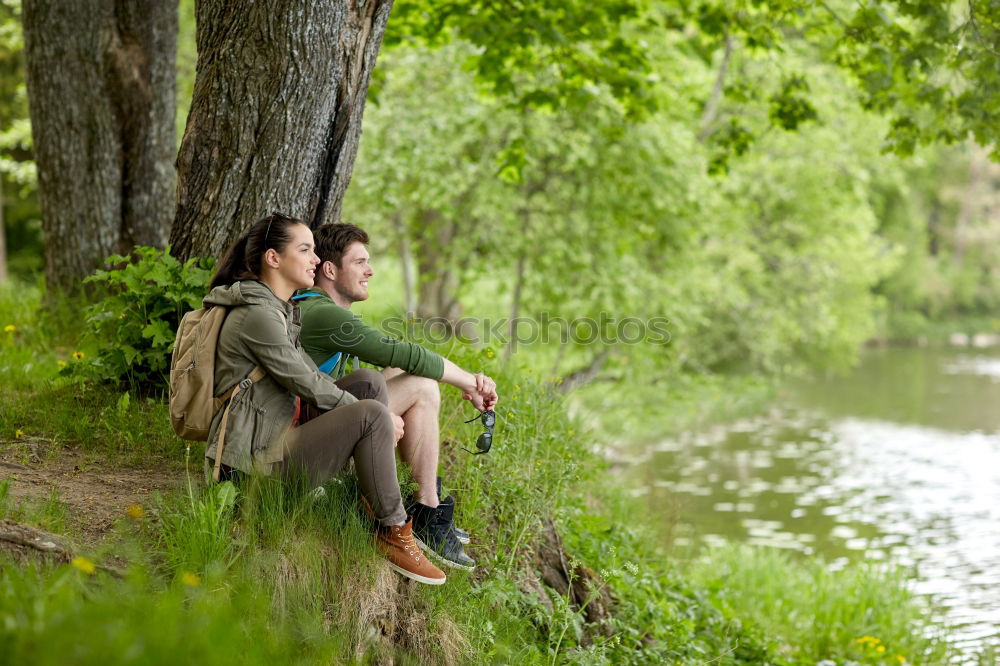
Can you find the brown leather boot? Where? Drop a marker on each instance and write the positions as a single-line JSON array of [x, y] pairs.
[[404, 555]]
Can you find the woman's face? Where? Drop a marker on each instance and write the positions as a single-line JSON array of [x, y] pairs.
[[297, 262]]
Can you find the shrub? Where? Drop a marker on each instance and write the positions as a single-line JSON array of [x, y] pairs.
[[131, 327]]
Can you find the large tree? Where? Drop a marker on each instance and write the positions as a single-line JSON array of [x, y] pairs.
[[280, 91], [100, 77], [276, 114]]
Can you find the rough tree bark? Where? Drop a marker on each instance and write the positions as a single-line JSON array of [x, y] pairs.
[[276, 114], [101, 80]]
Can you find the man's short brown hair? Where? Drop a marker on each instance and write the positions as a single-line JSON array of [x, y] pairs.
[[332, 241]]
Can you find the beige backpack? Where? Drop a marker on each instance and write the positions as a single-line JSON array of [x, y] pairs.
[[192, 379]]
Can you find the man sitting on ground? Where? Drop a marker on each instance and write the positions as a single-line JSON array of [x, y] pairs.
[[331, 334]]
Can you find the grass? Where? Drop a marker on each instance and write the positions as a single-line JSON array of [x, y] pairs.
[[864, 613], [267, 571]]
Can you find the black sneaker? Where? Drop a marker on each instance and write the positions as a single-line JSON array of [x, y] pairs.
[[432, 530], [460, 534]]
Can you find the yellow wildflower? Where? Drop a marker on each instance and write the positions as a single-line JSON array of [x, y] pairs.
[[77, 355], [61, 363], [516, 387], [10, 328], [900, 658], [18, 434], [135, 512], [84, 565], [868, 640], [190, 579], [880, 649]]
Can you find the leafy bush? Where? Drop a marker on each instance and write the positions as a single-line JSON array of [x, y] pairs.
[[131, 327]]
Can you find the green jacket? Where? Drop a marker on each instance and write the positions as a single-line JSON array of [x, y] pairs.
[[261, 329], [328, 329]]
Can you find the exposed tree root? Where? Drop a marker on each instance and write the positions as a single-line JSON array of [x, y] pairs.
[[27, 545]]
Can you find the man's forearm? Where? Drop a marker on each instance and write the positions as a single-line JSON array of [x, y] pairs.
[[457, 377]]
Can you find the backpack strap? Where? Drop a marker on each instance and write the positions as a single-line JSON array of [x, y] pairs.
[[255, 376], [330, 364]]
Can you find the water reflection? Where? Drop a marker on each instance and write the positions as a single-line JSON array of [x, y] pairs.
[[900, 461]]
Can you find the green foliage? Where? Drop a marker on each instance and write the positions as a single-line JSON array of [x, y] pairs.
[[187, 60], [18, 187], [863, 613], [15, 128], [932, 67], [131, 327], [555, 55], [36, 338], [767, 267], [937, 213], [790, 107]]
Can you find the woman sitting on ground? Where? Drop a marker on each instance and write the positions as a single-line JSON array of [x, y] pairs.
[[255, 280]]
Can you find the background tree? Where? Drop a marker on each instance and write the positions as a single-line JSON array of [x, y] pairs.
[[275, 115], [650, 151], [755, 268], [286, 137], [100, 78]]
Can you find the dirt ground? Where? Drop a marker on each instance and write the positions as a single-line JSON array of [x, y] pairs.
[[94, 493]]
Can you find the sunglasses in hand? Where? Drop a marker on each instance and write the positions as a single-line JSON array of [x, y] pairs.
[[485, 440]]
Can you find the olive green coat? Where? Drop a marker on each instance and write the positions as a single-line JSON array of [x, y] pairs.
[[261, 329]]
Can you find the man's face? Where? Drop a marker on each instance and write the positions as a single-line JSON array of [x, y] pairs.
[[350, 280]]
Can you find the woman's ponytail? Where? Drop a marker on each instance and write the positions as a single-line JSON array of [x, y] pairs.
[[243, 259], [233, 266]]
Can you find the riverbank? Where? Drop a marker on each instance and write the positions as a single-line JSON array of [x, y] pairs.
[[912, 328], [566, 573], [895, 462]]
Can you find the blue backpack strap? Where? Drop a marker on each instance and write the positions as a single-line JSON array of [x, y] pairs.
[[330, 364]]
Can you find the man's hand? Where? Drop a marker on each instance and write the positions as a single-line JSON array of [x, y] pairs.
[[397, 423], [484, 396]]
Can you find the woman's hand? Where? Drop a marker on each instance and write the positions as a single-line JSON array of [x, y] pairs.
[[397, 423]]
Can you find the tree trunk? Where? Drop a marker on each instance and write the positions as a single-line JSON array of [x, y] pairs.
[[101, 80], [406, 260], [711, 111], [515, 302], [276, 114], [438, 280], [972, 201]]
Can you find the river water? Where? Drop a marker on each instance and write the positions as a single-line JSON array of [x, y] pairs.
[[900, 461]]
